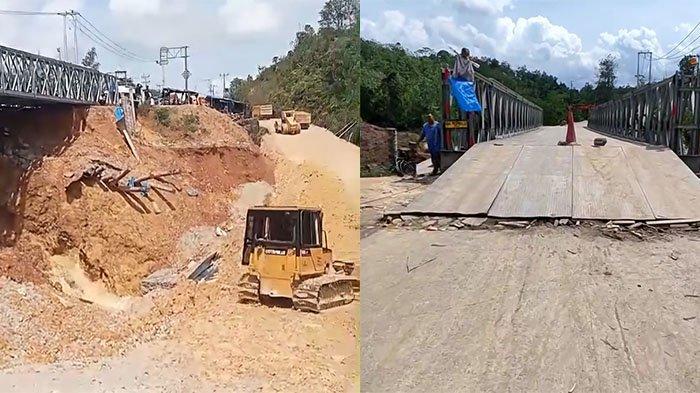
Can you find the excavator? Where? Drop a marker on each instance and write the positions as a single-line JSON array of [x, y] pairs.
[[285, 251]]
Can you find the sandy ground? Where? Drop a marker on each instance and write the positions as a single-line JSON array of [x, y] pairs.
[[194, 337], [318, 146], [543, 310]]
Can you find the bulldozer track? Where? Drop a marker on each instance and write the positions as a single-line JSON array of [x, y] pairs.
[[249, 289], [324, 292]]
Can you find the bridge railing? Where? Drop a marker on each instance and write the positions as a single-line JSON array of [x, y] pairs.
[[26, 76], [504, 112], [664, 113]]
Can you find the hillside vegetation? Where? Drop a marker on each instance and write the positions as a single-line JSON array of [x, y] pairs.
[[399, 87], [319, 74]]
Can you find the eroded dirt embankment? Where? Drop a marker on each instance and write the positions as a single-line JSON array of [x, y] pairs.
[[47, 213], [75, 254]]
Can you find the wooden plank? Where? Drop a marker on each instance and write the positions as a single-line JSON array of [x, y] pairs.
[[670, 187], [673, 222], [539, 185], [604, 186], [470, 185]]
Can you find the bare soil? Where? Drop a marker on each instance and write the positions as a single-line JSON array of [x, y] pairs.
[[541, 309], [73, 257]]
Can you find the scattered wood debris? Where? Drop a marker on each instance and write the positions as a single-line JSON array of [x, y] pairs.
[[112, 177], [515, 224]]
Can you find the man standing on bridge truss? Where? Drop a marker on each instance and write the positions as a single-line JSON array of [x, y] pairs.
[[464, 66]]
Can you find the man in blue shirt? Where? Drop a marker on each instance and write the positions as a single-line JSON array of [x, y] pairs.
[[432, 133], [120, 117]]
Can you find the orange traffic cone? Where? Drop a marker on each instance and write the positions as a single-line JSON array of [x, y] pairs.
[[570, 130]]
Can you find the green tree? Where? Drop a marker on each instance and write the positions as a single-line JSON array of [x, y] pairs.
[[319, 75], [605, 85], [339, 14], [236, 91], [90, 59]]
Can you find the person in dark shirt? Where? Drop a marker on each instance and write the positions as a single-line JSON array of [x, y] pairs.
[[432, 133]]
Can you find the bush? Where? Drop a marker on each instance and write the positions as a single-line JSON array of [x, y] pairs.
[[163, 117], [190, 123]]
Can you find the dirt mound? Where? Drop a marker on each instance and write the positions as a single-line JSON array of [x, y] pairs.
[[377, 145], [316, 168], [117, 242], [185, 125], [94, 246]]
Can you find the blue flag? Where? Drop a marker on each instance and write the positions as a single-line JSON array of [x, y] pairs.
[[463, 92]]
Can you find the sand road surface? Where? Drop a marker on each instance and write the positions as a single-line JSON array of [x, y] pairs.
[[538, 310]]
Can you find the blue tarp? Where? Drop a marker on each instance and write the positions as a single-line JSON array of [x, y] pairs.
[[463, 92]]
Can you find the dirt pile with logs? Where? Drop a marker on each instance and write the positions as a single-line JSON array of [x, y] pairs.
[[84, 223]]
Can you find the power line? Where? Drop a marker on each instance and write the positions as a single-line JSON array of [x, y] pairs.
[[106, 45], [90, 31], [7, 12], [110, 40], [684, 52], [115, 47], [97, 40], [680, 42], [688, 53]]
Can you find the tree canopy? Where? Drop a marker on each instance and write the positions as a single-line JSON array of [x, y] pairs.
[[319, 74], [339, 14], [399, 87], [90, 59]]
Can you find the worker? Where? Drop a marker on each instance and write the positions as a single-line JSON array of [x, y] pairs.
[[120, 117], [464, 66], [432, 133]]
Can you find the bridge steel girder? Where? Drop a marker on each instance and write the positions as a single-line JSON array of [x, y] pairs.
[[29, 79], [665, 113], [504, 112]]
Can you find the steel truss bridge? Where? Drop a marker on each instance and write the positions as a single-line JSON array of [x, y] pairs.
[[665, 113], [31, 80]]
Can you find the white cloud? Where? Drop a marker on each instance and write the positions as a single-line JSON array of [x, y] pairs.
[[249, 16], [21, 32], [625, 44], [682, 28], [490, 7], [222, 35], [535, 42], [457, 36], [395, 27], [135, 7]]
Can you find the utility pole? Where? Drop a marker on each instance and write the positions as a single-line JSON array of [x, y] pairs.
[[65, 36], [223, 86], [75, 33], [145, 78], [641, 59], [178, 52], [211, 86]]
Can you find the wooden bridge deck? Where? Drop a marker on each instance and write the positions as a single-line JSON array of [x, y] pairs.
[[530, 176]]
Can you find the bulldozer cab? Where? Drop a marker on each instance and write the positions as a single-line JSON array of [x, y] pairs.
[[286, 229], [287, 256], [283, 245]]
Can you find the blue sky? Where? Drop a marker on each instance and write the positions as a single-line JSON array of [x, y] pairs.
[[224, 36], [564, 38]]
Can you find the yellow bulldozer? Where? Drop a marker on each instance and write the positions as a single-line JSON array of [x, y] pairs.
[[287, 124], [287, 256]]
